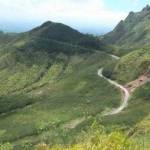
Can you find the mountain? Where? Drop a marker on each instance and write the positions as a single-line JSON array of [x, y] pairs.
[[131, 33], [51, 96], [50, 38], [46, 40], [41, 47], [48, 77], [64, 33], [130, 40], [57, 31]]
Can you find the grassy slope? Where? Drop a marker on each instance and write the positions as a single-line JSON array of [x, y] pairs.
[[132, 65], [68, 88], [48, 79], [136, 116], [6, 38], [46, 83], [131, 33]]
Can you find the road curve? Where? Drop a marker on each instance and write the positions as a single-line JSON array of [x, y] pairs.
[[73, 123], [114, 56], [125, 92]]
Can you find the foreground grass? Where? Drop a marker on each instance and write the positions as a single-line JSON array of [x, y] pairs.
[[95, 138], [135, 118]]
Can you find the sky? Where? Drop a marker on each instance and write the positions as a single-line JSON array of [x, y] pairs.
[[87, 16]]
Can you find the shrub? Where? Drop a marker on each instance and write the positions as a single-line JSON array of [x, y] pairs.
[[96, 139], [6, 146], [42, 146]]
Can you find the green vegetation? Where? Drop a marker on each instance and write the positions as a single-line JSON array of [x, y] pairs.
[[46, 82], [132, 65], [50, 91], [5, 38], [95, 138], [64, 33], [132, 33], [61, 95], [135, 118], [132, 36]]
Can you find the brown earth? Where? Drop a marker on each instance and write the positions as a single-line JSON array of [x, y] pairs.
[[131, 86]]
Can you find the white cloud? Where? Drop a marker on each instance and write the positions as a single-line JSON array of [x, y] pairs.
[[73, 12], [136, 2]]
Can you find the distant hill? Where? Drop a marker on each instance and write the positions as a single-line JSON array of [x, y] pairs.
[[64, 33], [133, 32], [41, 47], [56, 31], [48, 78], [48, 39], [6, 37], [131, 40]]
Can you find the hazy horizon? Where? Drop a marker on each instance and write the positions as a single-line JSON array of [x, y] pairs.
[[90, 16]]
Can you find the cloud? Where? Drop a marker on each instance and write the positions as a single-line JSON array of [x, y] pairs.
[[73, 12], [136, 2]]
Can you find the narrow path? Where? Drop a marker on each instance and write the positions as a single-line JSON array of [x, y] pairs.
[[114, 56], [125, 92], [74, 123]]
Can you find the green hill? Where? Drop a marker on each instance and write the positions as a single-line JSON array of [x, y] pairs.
[[50, 91], [132, 65], [135, 119], [131, 33], [47, 80], [5, 38], [64, 33], [130, 40]]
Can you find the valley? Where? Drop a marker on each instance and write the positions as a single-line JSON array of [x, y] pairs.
[[44, 110], [64, 90]]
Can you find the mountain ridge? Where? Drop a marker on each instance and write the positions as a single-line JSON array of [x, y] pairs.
[[131, 33]]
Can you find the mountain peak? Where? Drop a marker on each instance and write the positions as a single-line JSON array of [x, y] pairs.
[[133, 32], [147, 8], [55, 31], [131, 13], [47, 23]]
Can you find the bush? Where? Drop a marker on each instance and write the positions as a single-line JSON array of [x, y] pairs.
[[42, 146], [6, 146], [96, 139]]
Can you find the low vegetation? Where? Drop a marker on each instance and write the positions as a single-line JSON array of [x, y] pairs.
[[47, 83], [132, 65], [95, 138], [131, 33], [48, 80]]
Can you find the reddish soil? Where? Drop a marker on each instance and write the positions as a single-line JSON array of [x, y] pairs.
[[131, 86]]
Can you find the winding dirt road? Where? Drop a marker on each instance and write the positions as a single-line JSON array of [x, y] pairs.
[[125, 96], [126, 91], [73, 123], [114, 56]]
